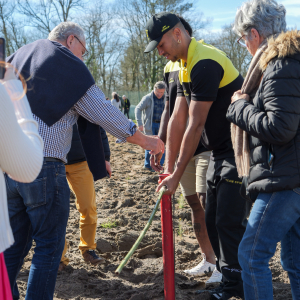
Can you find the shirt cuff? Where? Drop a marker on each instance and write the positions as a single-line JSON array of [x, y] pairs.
[[132, 130]]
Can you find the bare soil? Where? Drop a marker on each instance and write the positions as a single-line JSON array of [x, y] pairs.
[[124, 205]]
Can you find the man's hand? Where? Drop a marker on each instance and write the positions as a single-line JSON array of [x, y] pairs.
[[108, 168], [141, 128], [155, 144], [171, 182], [152, 143], [155, 162], [238, 95]]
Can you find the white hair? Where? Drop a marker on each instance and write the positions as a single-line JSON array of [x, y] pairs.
[[124, 96], [266, 16], [159, 85], [65, 29]]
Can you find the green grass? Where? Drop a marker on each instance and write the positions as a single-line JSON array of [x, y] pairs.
[[181, 201], [180, 228], [109, 224]]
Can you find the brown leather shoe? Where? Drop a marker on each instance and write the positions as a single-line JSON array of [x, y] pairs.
[[90, 256]]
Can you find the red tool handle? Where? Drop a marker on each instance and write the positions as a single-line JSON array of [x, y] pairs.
[[167, 243]]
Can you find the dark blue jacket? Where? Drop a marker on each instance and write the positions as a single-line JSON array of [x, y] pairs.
[[56, 79], [76, 153]]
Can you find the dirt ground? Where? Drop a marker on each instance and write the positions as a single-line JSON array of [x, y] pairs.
[[124, 205]]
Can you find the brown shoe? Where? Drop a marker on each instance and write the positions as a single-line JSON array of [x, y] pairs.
[[90, 256], [61, 266]]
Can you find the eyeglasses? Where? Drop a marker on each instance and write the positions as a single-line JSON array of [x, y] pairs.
[[86, 53], [240, 41]]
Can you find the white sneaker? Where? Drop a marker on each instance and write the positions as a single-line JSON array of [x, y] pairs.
[[216, 277], [201, 269]]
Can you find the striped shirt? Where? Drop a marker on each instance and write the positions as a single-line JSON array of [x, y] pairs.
[[93, 107]]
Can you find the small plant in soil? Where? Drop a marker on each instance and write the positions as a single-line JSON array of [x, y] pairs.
[[180, 228], [181, 201], [109, 224]]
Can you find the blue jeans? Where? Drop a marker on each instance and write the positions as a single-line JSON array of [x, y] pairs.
[[155, 129], [274, 217], [38, 211]]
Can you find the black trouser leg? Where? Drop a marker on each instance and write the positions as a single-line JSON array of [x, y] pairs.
[[126, 112], [230, 221]]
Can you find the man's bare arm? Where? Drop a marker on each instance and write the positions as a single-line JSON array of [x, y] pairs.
[[176, 129], [198, 112], [152, 143]]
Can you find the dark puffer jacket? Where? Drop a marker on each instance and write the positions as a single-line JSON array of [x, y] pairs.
[[272, 120]]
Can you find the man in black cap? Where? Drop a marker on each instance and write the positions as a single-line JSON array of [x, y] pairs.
[[207, 80], [193, 180]]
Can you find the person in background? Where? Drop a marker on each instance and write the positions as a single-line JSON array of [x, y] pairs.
[[148, 115], [115, 101], [126, 106], [270, 120], [21, 157], [122, 104], [81, 183]]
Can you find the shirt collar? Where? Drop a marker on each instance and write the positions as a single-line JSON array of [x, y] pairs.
[[192, 47]]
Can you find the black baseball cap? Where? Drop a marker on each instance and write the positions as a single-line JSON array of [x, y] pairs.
[[157, 26]]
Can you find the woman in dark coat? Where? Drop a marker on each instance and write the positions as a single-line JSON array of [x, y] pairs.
[[271, 119]]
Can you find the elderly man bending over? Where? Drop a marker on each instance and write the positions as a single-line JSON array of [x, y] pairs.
[[61, 91]]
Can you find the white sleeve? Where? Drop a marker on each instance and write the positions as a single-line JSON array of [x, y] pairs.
[[21, 147]]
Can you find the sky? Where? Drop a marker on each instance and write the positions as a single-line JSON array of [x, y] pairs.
[[222, 12]]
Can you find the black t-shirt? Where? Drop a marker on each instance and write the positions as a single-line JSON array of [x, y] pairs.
[[171, 79], [208, 75]]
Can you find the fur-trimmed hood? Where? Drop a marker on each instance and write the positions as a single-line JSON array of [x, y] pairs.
[[285, 44]]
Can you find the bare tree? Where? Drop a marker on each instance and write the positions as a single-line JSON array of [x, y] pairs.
[[104, 43], [143, 70], [11, 27], [44, 15]]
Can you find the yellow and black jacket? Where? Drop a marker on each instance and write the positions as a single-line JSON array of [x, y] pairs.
[[171, 78], [171, 73], [209, 75]]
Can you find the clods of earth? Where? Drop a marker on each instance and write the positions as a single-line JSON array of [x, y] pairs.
[[124, 205]]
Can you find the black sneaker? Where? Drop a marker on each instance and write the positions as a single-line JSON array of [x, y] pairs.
[[215, 290], [221, 296]]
